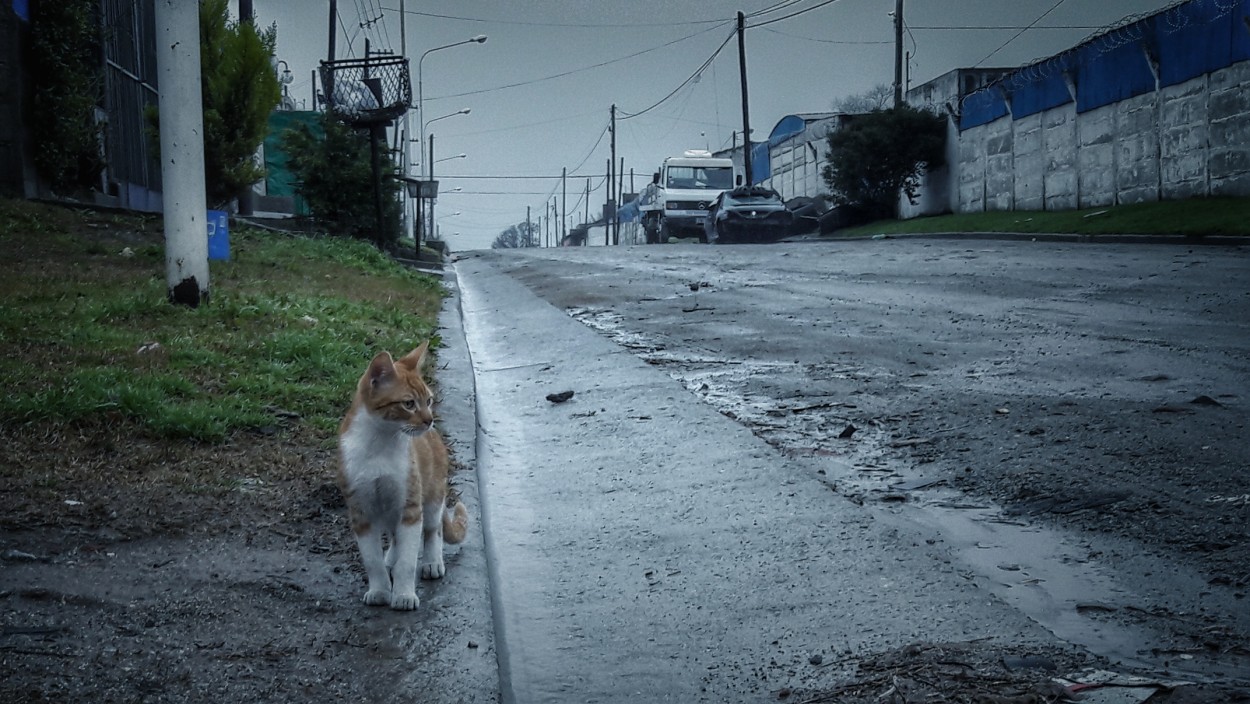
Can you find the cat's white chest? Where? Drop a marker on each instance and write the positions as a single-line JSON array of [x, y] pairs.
[[374, 449]]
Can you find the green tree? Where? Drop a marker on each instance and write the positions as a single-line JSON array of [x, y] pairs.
[[239, 89], [64, 61], [333, 173], [881, 154]]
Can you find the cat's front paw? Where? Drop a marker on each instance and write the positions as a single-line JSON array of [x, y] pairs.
[[377, 597], [405, 602], [433, 570]]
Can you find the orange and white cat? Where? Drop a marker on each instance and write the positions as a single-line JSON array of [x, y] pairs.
[[393, 473]]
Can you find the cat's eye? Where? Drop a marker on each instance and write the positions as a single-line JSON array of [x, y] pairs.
[[410, 404]]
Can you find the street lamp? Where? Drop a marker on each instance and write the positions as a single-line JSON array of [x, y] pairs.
[[461, 111], [449, 158], [479, 39], [438, 228], [285, 78]]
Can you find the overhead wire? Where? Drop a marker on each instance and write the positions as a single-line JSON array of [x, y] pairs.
[[576, 70], [1022, 31], [707, 62], [796, 13], [581, 25]]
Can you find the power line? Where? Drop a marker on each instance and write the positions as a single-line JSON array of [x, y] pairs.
[[691, 77], [796, 13], [1022, 31], [617, 25], [576, 70], [825, 41]]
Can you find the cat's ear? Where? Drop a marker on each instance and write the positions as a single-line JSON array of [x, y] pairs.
[[416, 359], [381, 368]]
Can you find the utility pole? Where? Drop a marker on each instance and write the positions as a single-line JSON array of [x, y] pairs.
[[746, 110], [898, 53], [607, 206], [620, 195], [613, 194], [564, 202], [406, 154], [587, 220], [334, 13], [529, 231], [430, 231], [182, 151]]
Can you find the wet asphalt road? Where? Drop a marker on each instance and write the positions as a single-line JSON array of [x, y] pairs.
[[775, 453]]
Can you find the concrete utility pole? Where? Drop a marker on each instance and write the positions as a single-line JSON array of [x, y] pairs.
[[746, 110], [898, 53], [182, 151]]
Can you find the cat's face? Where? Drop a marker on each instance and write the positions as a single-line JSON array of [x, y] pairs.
[[395, 391]]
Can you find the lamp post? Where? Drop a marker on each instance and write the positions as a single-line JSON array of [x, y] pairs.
[[479, 39], [285, 78], [443, 217], [430, 161]]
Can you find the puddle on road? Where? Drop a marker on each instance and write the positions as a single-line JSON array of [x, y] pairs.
[[1052, 576]]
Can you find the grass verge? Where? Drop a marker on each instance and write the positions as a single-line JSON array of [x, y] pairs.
[[1194, 217], [88, 337]]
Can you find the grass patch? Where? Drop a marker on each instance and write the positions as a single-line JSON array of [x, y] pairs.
[[1194, 217], [87, 335]]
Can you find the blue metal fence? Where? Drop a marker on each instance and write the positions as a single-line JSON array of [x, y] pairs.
[[1179, 43]]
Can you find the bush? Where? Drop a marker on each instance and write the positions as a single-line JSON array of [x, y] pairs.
[[878, 155], [65, 65]]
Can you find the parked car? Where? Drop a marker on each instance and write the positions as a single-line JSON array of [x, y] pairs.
[[807, 212], [747, 214]]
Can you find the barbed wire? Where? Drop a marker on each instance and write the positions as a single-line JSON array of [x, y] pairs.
[[1129, 30]]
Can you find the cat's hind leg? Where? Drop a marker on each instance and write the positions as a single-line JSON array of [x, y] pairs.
[[432, 566]]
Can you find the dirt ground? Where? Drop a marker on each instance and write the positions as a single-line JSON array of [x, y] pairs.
[[167, 582]]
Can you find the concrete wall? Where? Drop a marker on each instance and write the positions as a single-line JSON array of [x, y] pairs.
[[1187, 140]]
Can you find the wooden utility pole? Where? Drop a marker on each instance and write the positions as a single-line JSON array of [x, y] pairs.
[[607, 206], [564, 202], [898, 53], [746, 110], [620, 195], [586, 222], [334, 13], [182, 151], [529, 230], [430, 231], [613, 194]]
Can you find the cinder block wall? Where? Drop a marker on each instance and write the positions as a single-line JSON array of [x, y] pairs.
[[1187, 140]]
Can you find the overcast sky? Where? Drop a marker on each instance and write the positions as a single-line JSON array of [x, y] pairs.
[[541, 86]]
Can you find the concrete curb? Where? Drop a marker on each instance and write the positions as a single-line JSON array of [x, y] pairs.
[[1204, 240]]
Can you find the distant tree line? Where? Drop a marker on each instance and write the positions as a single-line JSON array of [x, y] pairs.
[[522, 234]]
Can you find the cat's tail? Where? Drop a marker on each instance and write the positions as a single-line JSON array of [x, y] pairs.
[[455, 526]]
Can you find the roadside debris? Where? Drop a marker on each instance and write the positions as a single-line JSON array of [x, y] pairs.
[[1104, 687], [560, 397]]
